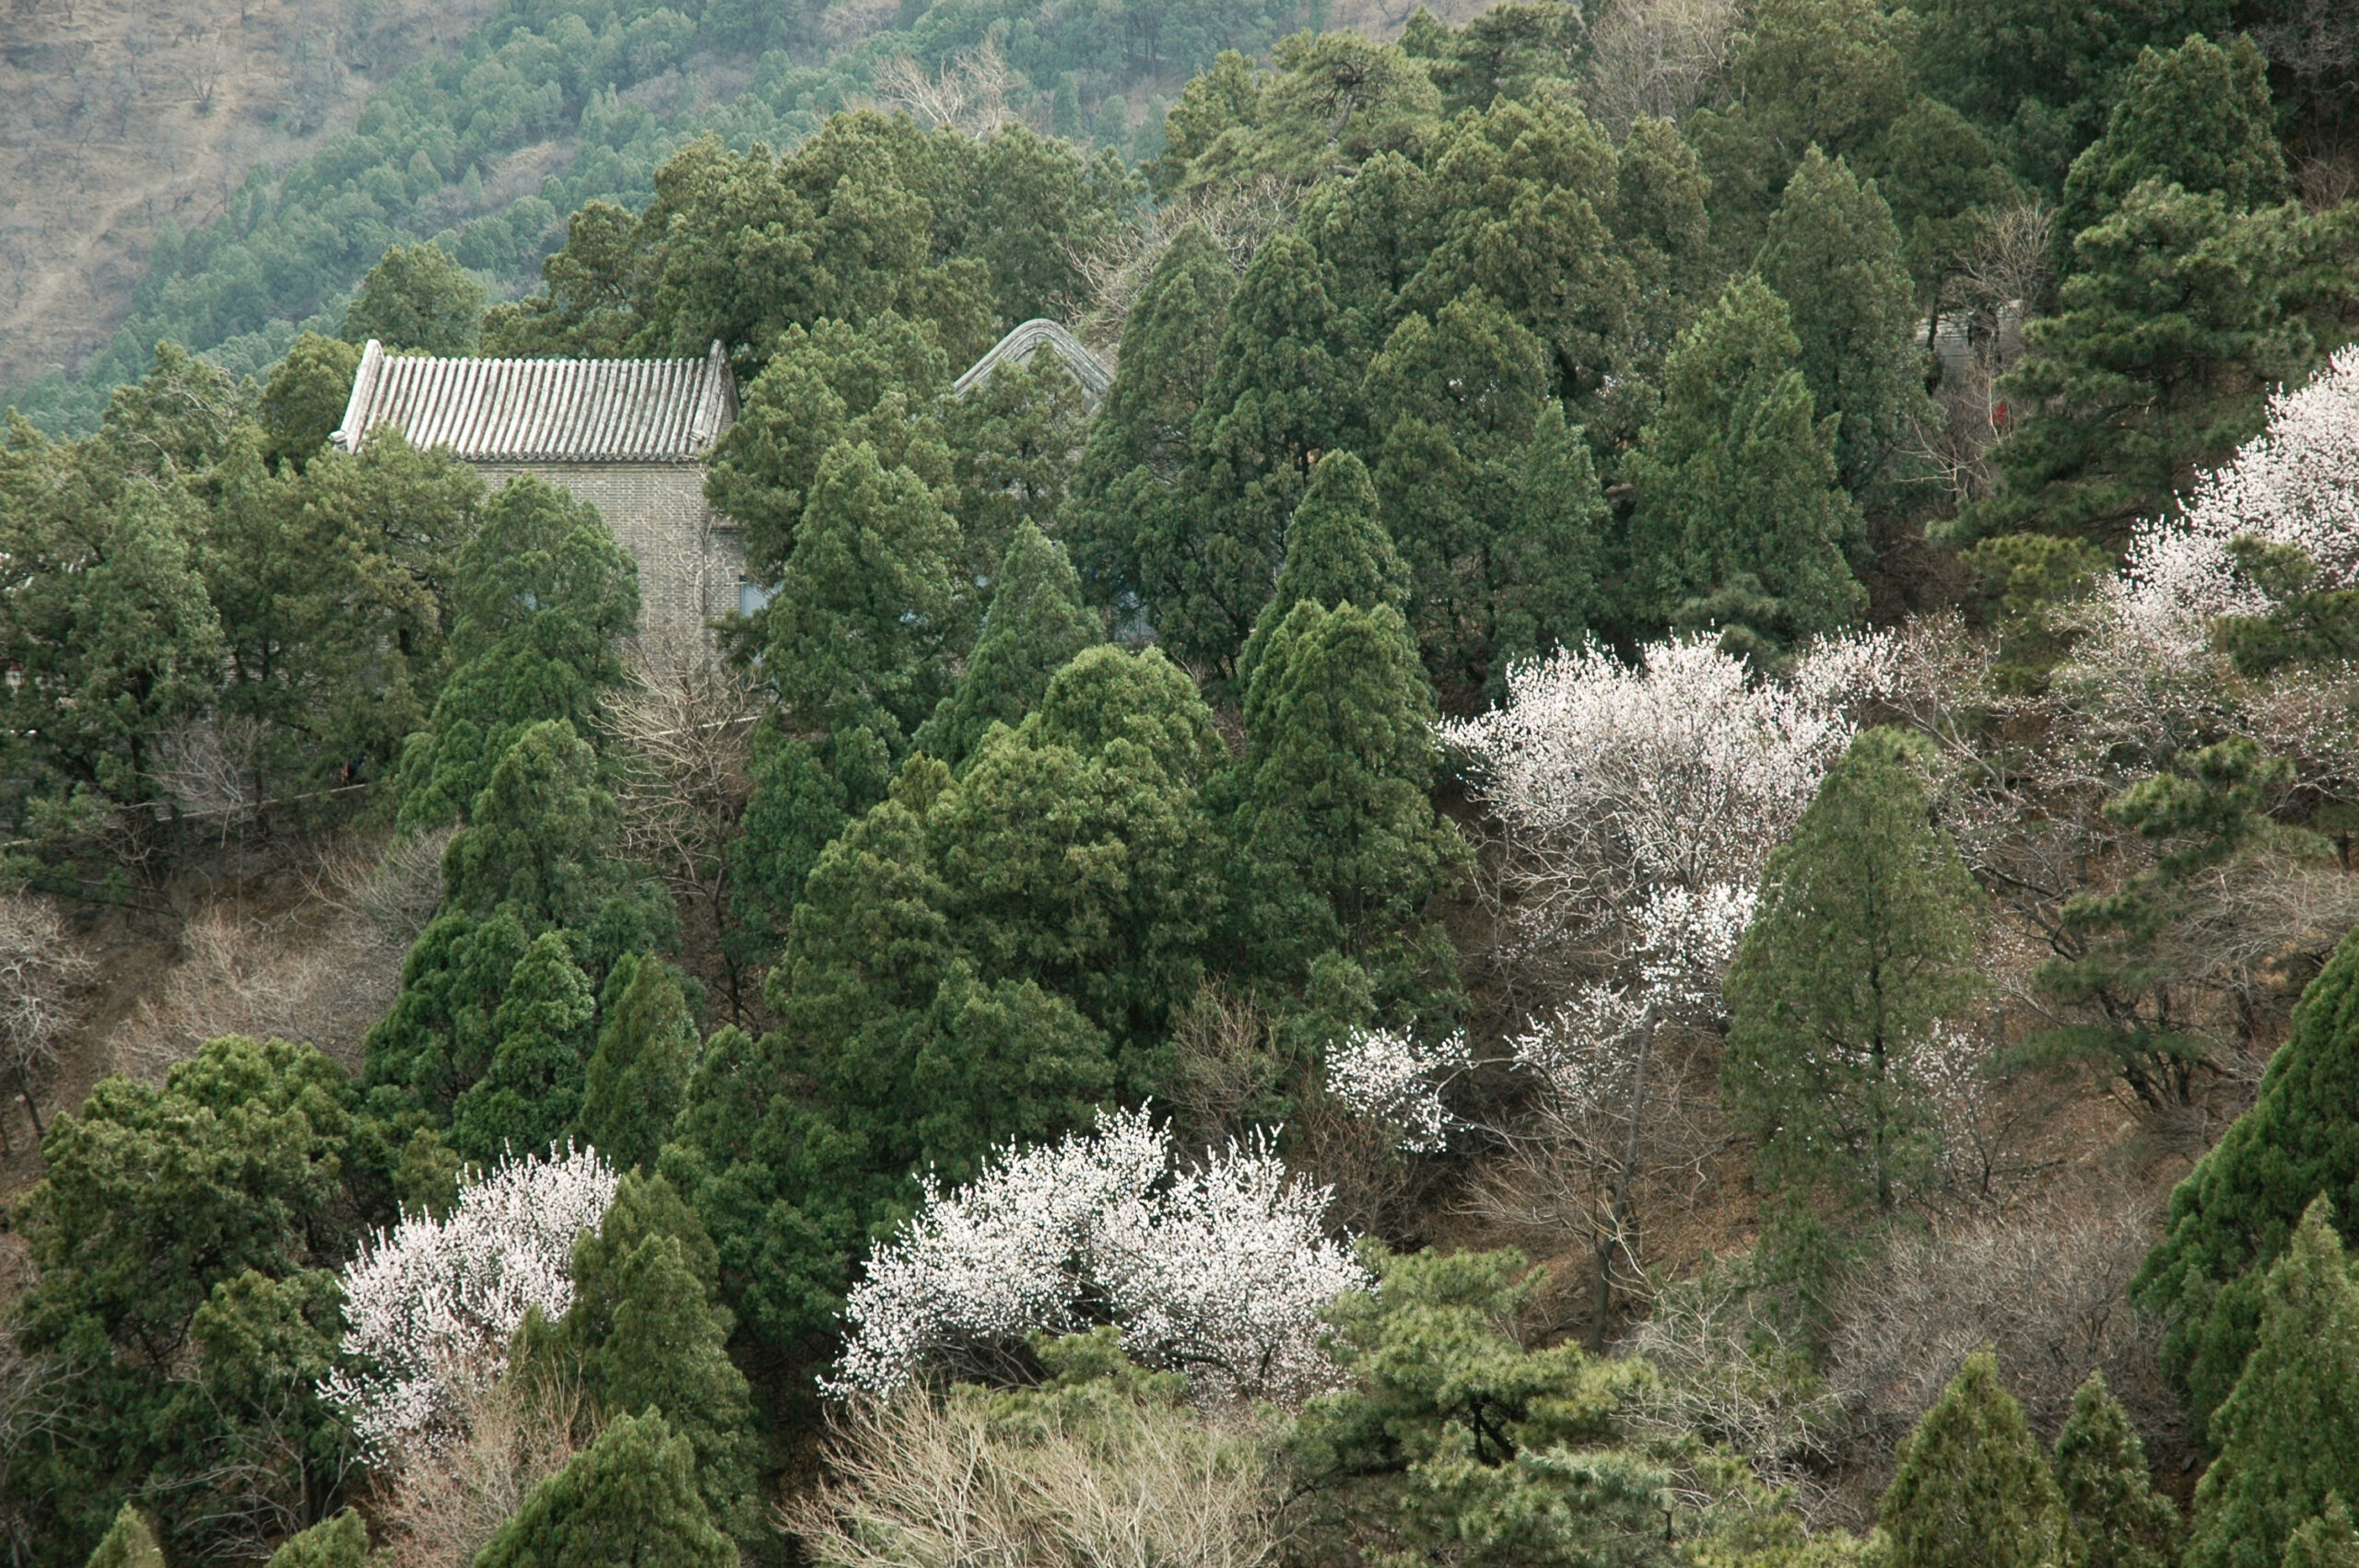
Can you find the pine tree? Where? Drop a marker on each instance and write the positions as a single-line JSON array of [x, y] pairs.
[[2235, 1213], [541, 835], [648, 1334], [2115, 403], [2198, 117], [1863, 944], [1973, 1489], [338, 1542], [1740, 522], [2119, 1520], [646, 1052], [1338, 552], [869, 614], [1036, 625], [2327, 1542], [128, 1543], [1834, 256], [1334, 817], [417, 297], [2288, 1434], [797, 807], [530, 1093], [630, 1497]]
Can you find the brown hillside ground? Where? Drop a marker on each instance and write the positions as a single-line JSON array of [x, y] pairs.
[[117, 115]]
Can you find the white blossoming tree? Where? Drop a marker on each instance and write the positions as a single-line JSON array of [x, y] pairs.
[[431, 1306], [1634, 808], [1219, 1270], [1384, 1076]]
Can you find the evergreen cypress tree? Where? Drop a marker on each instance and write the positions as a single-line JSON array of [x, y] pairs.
[[2327, 1542], [1334, 813], [1863, 943], [1134, 505], [1544, 570], [1279, 395], [1454, 401], [1037, 624], [128, 1543], [2288, 1433], [530, 1093], [541, 835], [869, 614], [797, 807], [648, 1333], [630, 1497], [538, 597], [338, 1542], [1740, 522], [2236, 1212], [1834, 256], [2198, 117], [1973, 1489], [2119, 1520], [1338, 552], [646, 1052]]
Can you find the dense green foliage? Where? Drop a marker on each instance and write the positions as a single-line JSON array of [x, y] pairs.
[[1863, 945], [1088, 755], [2288, 1433], [1973, 1489], [2236, 1212]]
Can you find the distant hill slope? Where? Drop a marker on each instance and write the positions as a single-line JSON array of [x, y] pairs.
[[220, 172], [119, 116]]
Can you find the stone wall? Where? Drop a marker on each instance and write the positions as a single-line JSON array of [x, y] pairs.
[[689, 558]]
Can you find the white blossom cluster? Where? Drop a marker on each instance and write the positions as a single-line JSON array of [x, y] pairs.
[[1582, 1051], [2297, 483], [1687, 939], [430, 1306], [1220, 1271], [1384, 1075], [1683, 772]]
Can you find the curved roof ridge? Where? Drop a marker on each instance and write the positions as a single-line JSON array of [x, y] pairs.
[[1026, 339]]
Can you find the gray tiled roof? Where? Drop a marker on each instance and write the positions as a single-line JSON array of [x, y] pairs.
[[1028, 339], [545, 410]]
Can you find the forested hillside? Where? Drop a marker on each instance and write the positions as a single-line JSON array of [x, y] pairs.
[[1643, 855], [517, 115]]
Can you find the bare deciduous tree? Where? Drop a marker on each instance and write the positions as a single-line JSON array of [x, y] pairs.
[[442, 1503], [1657, 57], [43, 972], [921, 1480], [680, 726], [970, 95]]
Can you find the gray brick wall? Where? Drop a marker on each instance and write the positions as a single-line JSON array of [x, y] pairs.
[[690, 558]]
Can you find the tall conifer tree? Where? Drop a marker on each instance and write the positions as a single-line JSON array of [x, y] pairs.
[[1973, 1489], [1740, 522], [630, 1497], [2236, 1212], [2288, 1433], [2119, 1520], [1338, 552], [1863, 944], [1834, 256], [1036, 625]]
